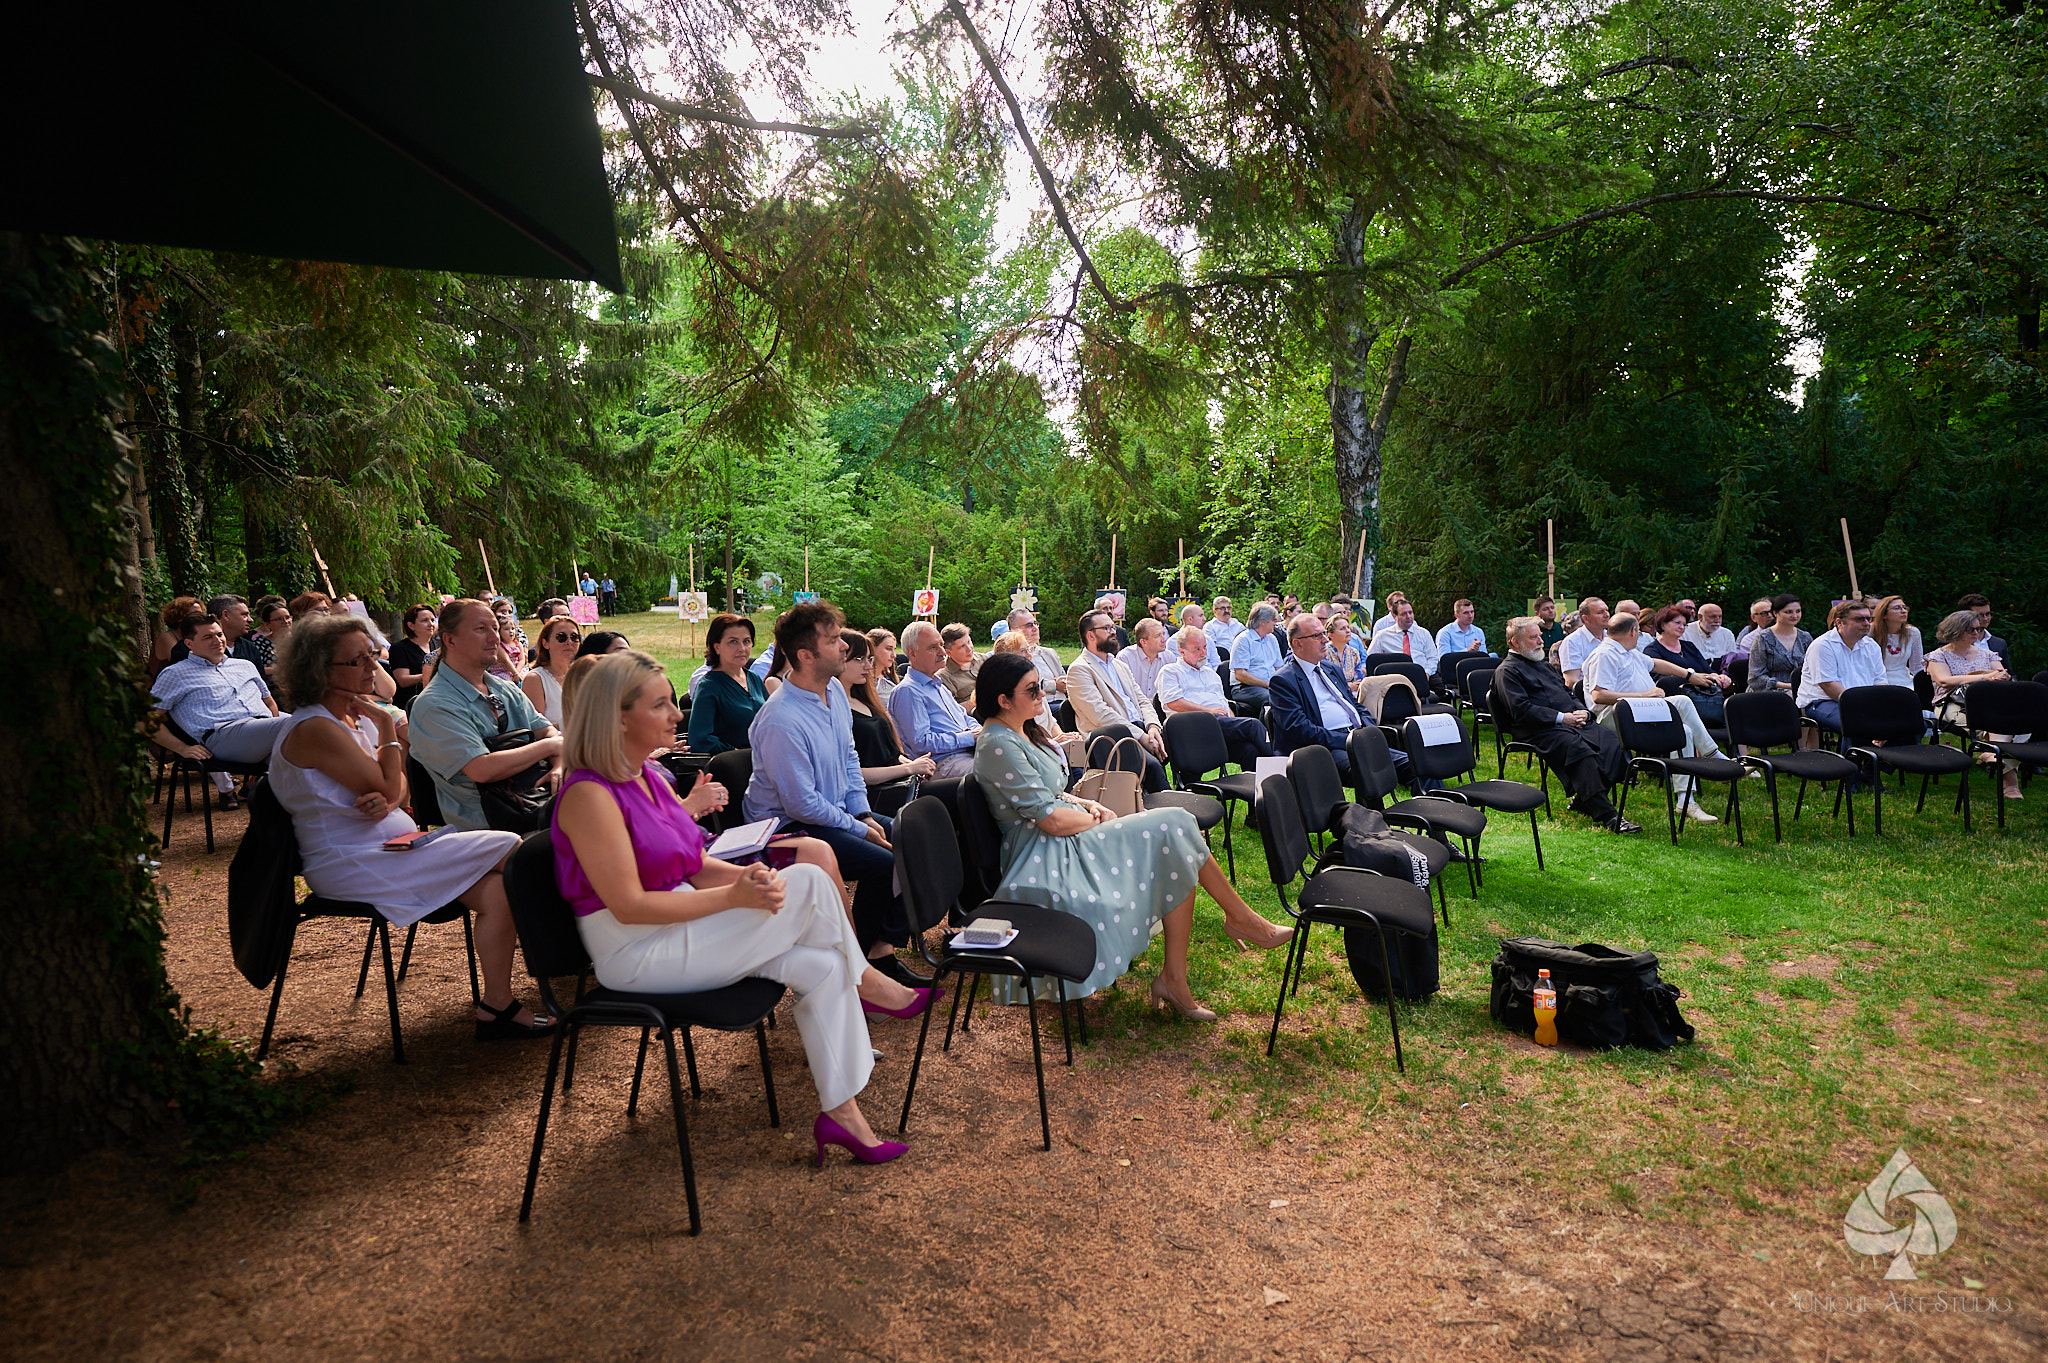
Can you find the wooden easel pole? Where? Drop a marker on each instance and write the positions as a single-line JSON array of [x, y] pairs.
[[1849, 553], [318, 562], [489, 581], [1181, 547], [807, 567], [1358, 573], [1112, 560], [693, 566], [1024, 562], [576, 569], [1550, 557], [931, 556]]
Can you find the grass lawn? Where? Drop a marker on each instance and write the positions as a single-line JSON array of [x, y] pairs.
[[1851, 998]]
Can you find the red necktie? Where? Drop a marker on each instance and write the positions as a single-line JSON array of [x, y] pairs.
[[1404, 644]]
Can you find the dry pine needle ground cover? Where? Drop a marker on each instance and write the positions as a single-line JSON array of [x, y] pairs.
[[1201, 1201]]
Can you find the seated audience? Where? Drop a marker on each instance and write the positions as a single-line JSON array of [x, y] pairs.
[[237, 625], [659, 916], [222, 703], [726, 701], [1980, 605], [1589, 758], [274, 620], [1191, 615], [807, 775], [1843, 657], [464, 706], [1961, 661], [929, 722], [883, 643], [778, 670], [1074, 855], [1904, 658], [1223, 627], [596, 644], [1551, 628], [1406, 637], [1390, 620], [1146, 655], [1255, 654], [1311, 704], [1346, 651], [1618, 671], [1188, 684], [1776, 653], [962, 662], [410, 650], [1690, 672], [1050, 669], [1157, 608], [337, 765], [882, 763], [1102, 691], [1707, 634], [510, 659], [560, 637], [310, 603], [1461, 635], [1643, 634]]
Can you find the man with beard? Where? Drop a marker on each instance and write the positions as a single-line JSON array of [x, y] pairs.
[[1588, 758]]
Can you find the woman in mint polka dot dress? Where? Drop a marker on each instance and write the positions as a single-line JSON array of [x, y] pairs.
[[1117, 875]]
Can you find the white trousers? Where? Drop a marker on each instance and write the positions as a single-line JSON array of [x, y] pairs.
[[1698, 742], [808, 945]]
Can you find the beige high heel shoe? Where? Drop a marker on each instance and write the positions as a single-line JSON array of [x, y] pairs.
[[1266, 936], [1192, 1011]]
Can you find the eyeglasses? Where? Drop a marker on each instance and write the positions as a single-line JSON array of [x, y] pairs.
[[567, 639], [1032, 689], [363, 661]]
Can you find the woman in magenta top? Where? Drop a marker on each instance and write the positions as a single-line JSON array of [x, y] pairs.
[[659, 917]]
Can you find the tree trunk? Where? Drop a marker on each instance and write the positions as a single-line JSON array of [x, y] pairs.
[[86, 1012], [1357, 428]]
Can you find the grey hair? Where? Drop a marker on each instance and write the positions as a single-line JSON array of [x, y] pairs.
[[1522, 622], [1014, 616], [1189, 635], [914, 632], [1955, 625], [1261, 613], [1620, 624]]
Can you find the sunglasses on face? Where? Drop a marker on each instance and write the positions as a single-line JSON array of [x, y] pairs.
[[1033, 690], [568, 638]]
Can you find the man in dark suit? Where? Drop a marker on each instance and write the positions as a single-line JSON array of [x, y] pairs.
[[1588, 757], [1311, 703]]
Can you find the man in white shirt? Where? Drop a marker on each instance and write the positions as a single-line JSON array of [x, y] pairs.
[[1188, 685], [220, 702], [1224, 627], [1616, 672], [1843, 657], [1707, 634], [1592, 630], [1101, 691], [1191, 617], [1387, 621], [1461, 635], [1404, 636], [1051, 670], [1146, 655]]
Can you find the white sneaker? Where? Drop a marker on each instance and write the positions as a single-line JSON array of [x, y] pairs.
[[1697, 815]]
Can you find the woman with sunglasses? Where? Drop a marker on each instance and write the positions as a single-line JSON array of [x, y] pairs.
[[1117, 875], [560, 637]]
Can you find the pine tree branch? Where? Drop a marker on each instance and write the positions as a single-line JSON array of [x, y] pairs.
[[1045, 180], [624, 90]]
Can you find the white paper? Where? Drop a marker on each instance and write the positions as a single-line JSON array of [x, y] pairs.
[[1269, 766], [1439, 730], [1648, 709], [739, 842]]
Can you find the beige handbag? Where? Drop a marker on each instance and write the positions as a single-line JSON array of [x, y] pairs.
[[1119, 791]]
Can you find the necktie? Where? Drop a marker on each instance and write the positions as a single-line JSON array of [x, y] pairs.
[[1405, 648]]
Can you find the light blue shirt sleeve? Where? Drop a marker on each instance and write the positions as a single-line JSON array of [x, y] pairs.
[[786, 772]]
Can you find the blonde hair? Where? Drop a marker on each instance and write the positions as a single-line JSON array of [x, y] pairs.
[[1013, 641], [593, 698]]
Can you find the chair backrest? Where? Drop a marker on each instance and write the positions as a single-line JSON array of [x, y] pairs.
[[1641, 734], [1923, 688], [426, 800], [1102, 753], [1475, 683], [1738, 673], [1312, 771], [547, 925], [982, 839], [1222, 655], [1373, 661], [1372, 766], [1443, 759], [733, 769], [1278, 814], [2007, 707], [1403, 667], [1891, 713], [263, 911], [1497, 708], [1398, 704], [1463, 664], [928, 865], [1194, 744], [1762, 719]]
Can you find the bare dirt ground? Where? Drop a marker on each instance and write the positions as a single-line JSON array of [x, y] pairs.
[[385, 1225]]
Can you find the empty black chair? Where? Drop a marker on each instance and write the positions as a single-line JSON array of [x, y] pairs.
[[1049, 943], [1373, 661], [1760, 720], [553, 948], [1194, 748], [1475, 689], [188, 767], [1438, 750], [1319, 790], [1342, 896], [1373, 781], [733, 769], [1892, 714], [264, 914], [1653, 745], [2008, 707]]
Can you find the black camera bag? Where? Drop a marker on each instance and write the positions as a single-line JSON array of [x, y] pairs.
[[1604, 997]]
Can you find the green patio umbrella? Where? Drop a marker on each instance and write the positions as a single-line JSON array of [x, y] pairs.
[[436, 134]]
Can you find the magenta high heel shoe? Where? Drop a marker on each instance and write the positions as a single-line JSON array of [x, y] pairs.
[[826, 1132], [924, 999]]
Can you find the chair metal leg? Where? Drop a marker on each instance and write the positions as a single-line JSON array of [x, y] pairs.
[[1536, 833], [476, 993], [1229, 847], [1387, 980], [206, 806], [1671, 808], [1917, 809], [1771, 785], [639, 1065], [1037, 1059], [412, 931], [675, 1095], [369, 945], [270, 1018], [690, 1059], [953, 1014], [1301, 933], [540, 1126], [1966, 795], [391, 992], [1443, 904], [974, 992], [1287, 968], [924, 1028], [171, 803], [569, 1062], [1066, 1034], [767, 1075]]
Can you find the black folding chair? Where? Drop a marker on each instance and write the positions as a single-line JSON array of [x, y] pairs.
[[189, 767], [1194, 748], [1652, 745], [733, 769], [1475, 687], [1883, 728], [2008, 707], [1762, 720], [1319, 789], [1505, 742], [1049, 943], [1374, 781], [1341, 896], [1398, 666], [554, 948], [1447, 760]]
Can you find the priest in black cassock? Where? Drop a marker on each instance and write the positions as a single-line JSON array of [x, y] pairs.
[[1588, 757]]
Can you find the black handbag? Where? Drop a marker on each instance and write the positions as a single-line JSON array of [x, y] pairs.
[[1604, 997], [517, 803], [1367, 844]]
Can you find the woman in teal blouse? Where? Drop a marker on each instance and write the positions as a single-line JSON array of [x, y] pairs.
[[1117, 875], [729, 695]]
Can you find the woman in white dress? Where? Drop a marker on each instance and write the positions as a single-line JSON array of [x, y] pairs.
[[339, 770], [559, 640]]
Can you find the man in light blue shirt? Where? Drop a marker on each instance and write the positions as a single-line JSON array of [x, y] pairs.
[[220, 702], [1190, 685], [807, 774], [1255, 654], [1461, 635], [929, 722], [463, 708]]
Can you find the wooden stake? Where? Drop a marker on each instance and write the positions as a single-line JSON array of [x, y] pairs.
[[1358, 573], [318, 562], [931, 556], [1112, 560], [1024, 561], [1550, 556], [489, 581], [693, 565], [576, 569], [1181, 547], [1849, 553], [807, 567]]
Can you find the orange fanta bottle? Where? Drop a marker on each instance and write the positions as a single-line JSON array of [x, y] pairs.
[[1546, 1010]]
